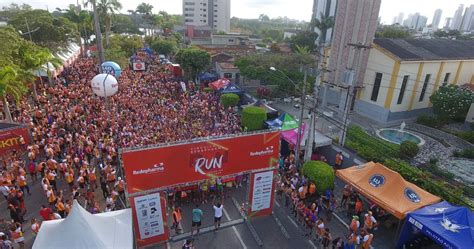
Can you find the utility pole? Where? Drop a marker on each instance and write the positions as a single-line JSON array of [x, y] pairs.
[[352, 85], [312, 126], [98, 34], [300, 133]]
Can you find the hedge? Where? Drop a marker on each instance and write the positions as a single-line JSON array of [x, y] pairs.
[[321, 174], [374, 149], [208, 89], [408, 149], [253, 118], [229, 99]]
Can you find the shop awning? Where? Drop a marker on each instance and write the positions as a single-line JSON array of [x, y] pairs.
[[387, 188]]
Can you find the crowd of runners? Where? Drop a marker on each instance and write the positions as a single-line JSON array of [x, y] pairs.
[[76, 137], [314, 211]]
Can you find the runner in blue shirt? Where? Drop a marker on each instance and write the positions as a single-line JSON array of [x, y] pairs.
[[197, 216]]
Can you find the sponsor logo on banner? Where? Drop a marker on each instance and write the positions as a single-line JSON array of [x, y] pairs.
[[108, 70], [376, 180], [266, 151], [451, 226], [157, 168], [411, 195], [208, 159], [415, 223]]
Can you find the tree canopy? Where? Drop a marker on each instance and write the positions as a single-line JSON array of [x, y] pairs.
[[392, 31], [452, 102], [257, 67], [46, 30], [193, 61], [304, 39], [164, 46]]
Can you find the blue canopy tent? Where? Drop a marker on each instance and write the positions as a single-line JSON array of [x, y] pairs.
[[232, 88], [276, 123], [447, 225]]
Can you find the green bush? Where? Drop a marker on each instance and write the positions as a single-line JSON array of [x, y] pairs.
[[229, 99], [253, 118], [466, 135], [373, 149], [408, 149], [370, 147], [207, 90], [467, 153], [321, 174], [431, 121]]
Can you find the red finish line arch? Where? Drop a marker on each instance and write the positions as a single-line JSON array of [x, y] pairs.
[[149, 170]]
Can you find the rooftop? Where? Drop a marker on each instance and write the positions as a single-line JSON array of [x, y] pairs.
[[428, 49]]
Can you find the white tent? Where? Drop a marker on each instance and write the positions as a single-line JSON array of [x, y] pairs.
[[81, 230]]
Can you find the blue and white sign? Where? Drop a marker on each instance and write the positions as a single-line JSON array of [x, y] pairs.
[[411, 195], [377, 180], [112, 68]]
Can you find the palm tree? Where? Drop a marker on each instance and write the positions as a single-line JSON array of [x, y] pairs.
[[10, 85], [34, 60], [78, 17], [107, 8], [324, 23], [145, 9], [98, 32]]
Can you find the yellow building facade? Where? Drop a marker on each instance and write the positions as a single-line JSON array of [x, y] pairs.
[[402, 75]]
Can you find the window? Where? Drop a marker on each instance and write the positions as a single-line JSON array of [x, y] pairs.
[[215, 10], [231, 40], [446, 78], [425, 85], [189, 3], [228, 75], [402, 89], [188, 20], [190, 15], [375, 90], [188, 9]]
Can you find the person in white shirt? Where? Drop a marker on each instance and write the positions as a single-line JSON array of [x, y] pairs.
[[218, 208], [5, 190]]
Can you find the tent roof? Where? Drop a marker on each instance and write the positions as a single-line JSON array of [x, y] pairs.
[[387, 188], [291, 136], [84, 230], [220, 83], [232, 88], [452, 225]]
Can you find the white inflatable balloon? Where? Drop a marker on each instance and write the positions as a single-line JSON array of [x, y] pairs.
[[104, 81]]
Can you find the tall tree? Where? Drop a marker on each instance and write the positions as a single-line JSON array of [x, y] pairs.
[[10, 86], [79, 18], [45, 30], [324, 23], [193, 61], [108, 8], [145, 10]]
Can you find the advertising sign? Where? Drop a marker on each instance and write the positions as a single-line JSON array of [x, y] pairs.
[[13, 139], [139, 66], [182, 163], [261, 193], [149, 219]]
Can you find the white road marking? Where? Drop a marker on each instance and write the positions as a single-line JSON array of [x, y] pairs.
[[168, 246], [292, 221], [312, 244], [278, 204], [235, 230]]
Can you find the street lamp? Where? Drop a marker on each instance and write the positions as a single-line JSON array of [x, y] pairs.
[[303, 96]]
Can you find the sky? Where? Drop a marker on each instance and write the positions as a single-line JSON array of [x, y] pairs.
[[294, 9]]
